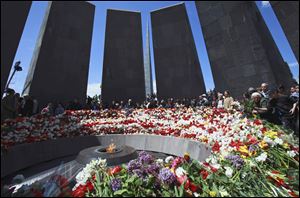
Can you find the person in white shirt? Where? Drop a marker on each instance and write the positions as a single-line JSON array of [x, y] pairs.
[[264, 90], [220, 101]]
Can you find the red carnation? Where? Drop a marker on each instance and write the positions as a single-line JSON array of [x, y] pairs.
[[293, 194], [213, 169], [204, 174], [193, 187], [79, 192], [216, 147], [257, 122]]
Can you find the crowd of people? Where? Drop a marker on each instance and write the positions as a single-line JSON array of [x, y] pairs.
[[276, 105], [13, 105]]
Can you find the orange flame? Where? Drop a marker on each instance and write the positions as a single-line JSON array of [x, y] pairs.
[[111, 148]]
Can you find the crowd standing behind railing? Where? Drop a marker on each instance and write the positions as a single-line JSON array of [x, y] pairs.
[[275, 105]]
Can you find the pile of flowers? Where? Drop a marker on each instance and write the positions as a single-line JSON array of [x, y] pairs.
[[250, 157]]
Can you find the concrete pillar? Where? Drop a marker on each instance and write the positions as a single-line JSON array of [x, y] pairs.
[[123, 75], [287, 13], [241, 50], [177, 68], [13, 18], [60, 63]]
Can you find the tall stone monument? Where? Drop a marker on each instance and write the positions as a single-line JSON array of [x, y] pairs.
[[177, 68], [13, 18], [240, 47], [287, 13], [59, 67], [123, 75]]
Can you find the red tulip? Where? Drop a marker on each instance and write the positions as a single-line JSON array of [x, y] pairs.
[[115, 170], [89, 186], [183, 179]]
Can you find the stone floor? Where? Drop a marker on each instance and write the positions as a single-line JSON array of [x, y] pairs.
[[44, 170]]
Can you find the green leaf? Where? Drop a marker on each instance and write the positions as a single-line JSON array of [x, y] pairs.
[[120, 192], [176, 191], [138, 182], [181, 190], [166, 194], [131, 179]]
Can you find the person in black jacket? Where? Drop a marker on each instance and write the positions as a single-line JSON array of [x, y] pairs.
[[28, 106], [282, 105]]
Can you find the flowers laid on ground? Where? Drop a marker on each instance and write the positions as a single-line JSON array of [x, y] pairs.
[[57, 185], [182, 176], [249, 156]]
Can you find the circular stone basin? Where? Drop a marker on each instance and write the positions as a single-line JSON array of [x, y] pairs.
[[103, 150], [121, 155]]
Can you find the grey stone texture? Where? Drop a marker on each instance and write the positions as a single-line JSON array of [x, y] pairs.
[[59, 67], [240, 47], [287, 13], [123, 75], [13, 18], [26, 155], [177, 68]]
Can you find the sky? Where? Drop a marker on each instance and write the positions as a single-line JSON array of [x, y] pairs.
[[38, 8]]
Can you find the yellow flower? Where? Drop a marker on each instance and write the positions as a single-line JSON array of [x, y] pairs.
[[271, 134], [252, 153], [243, 149], [204, 138], [172, 170], [263, 144], [212, 193], [285, 145], [186, 156]]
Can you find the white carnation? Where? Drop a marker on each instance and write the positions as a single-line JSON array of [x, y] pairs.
[[180, 172], [89, 169], [262, 157], [217, 166], [244, 174], [278, 141], [160, 161], [224, 193], [228, 171], [169, 159], [291, 153]]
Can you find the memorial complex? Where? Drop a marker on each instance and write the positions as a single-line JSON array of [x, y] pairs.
[[157, 128]]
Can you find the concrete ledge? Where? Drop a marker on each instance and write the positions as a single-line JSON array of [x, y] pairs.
[[26, 155]]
